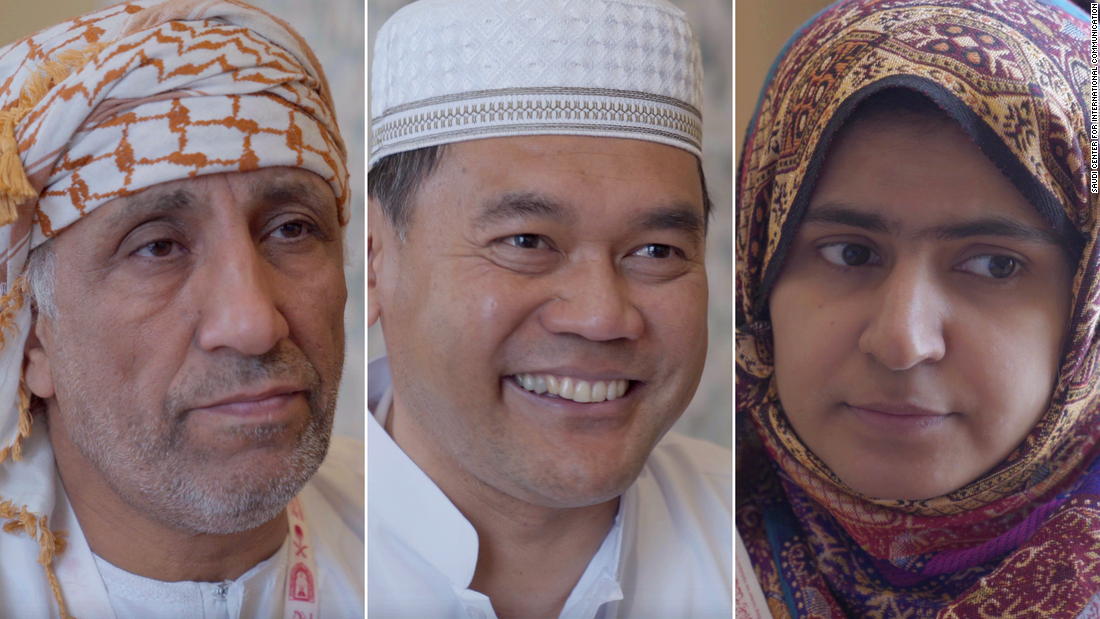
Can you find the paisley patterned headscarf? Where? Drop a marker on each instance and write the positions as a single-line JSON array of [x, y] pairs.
[[1023, 540]]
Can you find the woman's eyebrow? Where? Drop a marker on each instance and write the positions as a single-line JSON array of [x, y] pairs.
[[997, 225], [994, 226], [849, 216]]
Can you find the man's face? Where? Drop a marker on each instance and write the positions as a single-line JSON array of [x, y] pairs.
[[197, 350], [563, 258], [920, 315]]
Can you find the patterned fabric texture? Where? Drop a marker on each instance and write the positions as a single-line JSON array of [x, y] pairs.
[[451, 70], [1024, 540], [119, 100]]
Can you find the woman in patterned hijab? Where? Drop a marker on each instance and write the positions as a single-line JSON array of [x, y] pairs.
[[917, 285]]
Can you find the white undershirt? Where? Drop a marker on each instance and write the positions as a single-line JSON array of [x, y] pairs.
[[257, 593]]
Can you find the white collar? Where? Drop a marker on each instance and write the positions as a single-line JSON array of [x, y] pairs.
[[408, 501], [131, 586]]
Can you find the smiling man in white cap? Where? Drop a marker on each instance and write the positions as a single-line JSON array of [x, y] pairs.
[[537, 225], [173, 198]]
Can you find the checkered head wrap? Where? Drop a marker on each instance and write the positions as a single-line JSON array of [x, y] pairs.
[[128, 97]]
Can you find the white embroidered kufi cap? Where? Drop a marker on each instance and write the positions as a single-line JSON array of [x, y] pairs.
[[453, 70]]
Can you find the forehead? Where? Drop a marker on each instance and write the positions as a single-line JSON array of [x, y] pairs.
[[252, 184], [279, 184], [917, 175], [595, 177]]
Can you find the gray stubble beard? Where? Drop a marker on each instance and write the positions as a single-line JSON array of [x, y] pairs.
[[157, 475]]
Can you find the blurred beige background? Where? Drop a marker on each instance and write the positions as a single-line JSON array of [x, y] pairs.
[[763, 27], [17, 19], [334, 29], [710, 415]]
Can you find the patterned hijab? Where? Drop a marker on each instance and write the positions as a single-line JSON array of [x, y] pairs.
[[104, 106], [1024, 540]]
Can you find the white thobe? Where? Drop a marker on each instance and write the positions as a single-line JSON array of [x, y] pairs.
[[669, 553]]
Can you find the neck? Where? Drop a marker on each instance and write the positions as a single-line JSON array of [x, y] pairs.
[[529, 556], [140, 544]]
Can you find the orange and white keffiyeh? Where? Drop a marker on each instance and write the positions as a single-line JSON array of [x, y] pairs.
[[116, 101]]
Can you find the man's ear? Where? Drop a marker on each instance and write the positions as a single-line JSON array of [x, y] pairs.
[[37, 373], [375, 260]]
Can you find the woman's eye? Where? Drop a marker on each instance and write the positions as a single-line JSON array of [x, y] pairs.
[[848, 254], [997, 267], [656, 250], [524, 241], [157, 249]]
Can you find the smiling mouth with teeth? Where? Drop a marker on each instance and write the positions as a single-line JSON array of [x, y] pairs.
[[571, 388]]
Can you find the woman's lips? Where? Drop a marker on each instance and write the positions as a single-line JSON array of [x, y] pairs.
[[898, 418]]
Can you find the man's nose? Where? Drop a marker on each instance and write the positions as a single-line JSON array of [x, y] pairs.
[[906, 324], [238, 303], [594, 302]]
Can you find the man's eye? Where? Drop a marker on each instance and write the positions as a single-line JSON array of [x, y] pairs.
[[292, 230], [849, 254], [157, 249], [657, 250], [524, 241], [995, 266]]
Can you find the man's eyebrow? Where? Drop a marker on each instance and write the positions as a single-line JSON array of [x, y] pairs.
[[158, 203], [678, 216], [295, 192], [512, 206], [996, 226]]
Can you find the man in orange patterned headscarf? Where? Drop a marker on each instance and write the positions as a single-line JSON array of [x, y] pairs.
[[173, 198]]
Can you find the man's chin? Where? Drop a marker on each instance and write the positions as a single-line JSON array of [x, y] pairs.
[[240, 496], [225, 488], [577, 486]]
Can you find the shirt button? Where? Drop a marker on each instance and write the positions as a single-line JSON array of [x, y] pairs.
[[475, 613]]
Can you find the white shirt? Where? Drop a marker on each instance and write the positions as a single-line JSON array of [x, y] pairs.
[[250, 595], [669, 553]]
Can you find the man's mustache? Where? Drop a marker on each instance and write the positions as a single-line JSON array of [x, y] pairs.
[[226, 376]]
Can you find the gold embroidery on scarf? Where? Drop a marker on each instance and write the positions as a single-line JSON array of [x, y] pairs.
[[11, 303], [51, 544], [15, 188]]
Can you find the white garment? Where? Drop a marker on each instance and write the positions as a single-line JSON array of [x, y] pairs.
[[669, 553], [251, 595], [94, 589]]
